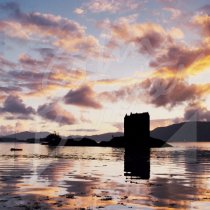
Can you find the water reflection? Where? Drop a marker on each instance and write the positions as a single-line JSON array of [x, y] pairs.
[[168, 178], [137, 164]]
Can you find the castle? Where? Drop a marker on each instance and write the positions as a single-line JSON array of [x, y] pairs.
[[137, 129]]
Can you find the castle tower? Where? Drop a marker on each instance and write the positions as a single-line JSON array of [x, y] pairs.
[[137, 129]]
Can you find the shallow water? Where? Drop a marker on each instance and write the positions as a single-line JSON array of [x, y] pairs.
[[40, 177]]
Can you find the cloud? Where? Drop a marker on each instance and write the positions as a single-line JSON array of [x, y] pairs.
[[13, 7], [84, 130], [84, 97], [153, 124], [14, 104], [119, 126], [35, 79], [172, 92], [160, 123], [7, 130], [29, 61], [160, 92], [99, 6], [18, 117], [176, 33], [168, 55], [11, 129], [123, 93], [148, 38], [203, 21], [79, 11], [196, 112], [205, 9], [172, 63], [60, 32], [6, 63], [176, 57], [175, 13], [10, 89], [170, 2], [54, 112]]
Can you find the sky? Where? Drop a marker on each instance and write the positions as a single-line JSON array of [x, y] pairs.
[[78, 66]]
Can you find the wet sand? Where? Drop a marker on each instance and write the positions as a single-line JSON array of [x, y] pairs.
[[95, 178]]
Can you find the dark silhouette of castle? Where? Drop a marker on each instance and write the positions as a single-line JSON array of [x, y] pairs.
[[137, 146], [136, 164], [137, 130]]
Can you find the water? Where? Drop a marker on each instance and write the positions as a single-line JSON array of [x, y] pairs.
[[40, 177]]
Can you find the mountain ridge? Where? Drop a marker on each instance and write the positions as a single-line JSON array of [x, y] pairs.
[[184, 131], [26, 135], [199, 131]]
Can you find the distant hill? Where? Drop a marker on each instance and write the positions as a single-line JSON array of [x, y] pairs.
[[100, 137], [186, 131], [37, 135], [26, 135]]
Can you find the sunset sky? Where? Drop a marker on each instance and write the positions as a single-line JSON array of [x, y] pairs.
[[78, 66]]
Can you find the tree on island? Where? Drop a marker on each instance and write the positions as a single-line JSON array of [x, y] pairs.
[[53, 139]]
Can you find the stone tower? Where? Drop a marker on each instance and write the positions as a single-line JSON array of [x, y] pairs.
[[137, 129]]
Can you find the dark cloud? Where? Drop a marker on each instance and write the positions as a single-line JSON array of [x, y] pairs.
[[27, 60], [18, 117], [170, 92], [148, 38], [14, 104], [33, 81], [84, 96], [46, 52], [45, 20], [10, 89], [167, 92], [196, 112], [151, 41], [26, 75], [177, 58], [54, 112]]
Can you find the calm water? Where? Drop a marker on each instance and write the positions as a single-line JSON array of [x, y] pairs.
[[95, 178]]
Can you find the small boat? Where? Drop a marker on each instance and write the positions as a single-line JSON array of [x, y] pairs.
[[15, 149]]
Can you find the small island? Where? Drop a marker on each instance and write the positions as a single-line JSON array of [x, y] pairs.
[[137, 134]]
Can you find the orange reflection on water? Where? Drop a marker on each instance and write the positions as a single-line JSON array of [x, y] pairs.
[[94, 177]]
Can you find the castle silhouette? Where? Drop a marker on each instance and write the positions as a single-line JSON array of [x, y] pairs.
[[137, 130], [137, 146]]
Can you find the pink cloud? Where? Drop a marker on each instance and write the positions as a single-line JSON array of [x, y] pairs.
[[55, 113], [58, 31], [84, 97]]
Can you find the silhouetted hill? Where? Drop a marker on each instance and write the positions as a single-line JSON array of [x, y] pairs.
[[4, 139], [186, 131], [99, 137], [71, 142], [87, 142], [114, 142], [120, 142], [26, 135]]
